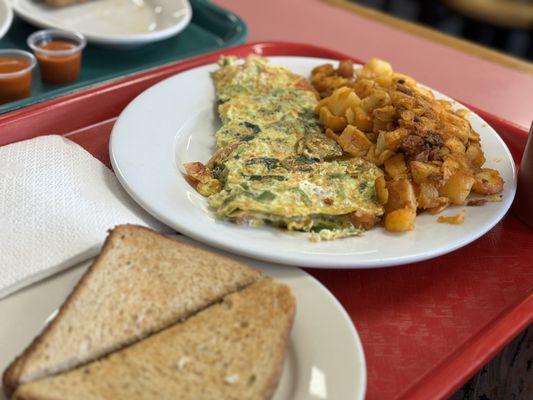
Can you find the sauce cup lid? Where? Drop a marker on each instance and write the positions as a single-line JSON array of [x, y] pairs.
[[49, 35], [15, 53]]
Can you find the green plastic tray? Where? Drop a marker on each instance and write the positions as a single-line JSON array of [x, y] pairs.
[[212, 28]]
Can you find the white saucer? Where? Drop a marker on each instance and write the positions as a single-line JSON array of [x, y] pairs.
[[115, 23]]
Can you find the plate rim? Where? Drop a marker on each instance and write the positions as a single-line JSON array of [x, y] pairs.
[[8, 20], [350, 324], [112, 40], [338, 263]]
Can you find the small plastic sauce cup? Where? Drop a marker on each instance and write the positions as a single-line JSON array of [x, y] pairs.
[[15, 75], [58, 54]]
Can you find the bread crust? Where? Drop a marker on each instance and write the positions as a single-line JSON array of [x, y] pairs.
[[276, 372], [11, 376]]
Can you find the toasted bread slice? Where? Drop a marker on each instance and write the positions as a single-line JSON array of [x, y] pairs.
[[231, 350], [140, 283]]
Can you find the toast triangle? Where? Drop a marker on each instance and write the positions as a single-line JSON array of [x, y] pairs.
[[140, 283], [231, 350]]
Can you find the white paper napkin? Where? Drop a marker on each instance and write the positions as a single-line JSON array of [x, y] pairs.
[[56, 204]]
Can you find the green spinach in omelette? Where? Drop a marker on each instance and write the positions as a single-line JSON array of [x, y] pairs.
[[274, 164]]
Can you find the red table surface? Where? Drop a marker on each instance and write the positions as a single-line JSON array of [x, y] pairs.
[[426, 327]]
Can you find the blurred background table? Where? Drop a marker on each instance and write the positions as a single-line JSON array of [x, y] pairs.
[[490, 80]]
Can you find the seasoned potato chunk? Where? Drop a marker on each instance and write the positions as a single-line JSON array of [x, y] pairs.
[[400, 220], [457, 187], [475, 154], [331, 121], [378, 70], [390, 140], [354, 142], [345, 68], [363, 220], [420, 171], [401, 194], [341, 100], [395, 166], [428, 196], [488, 182], [456, 162], [359, 118], [384, 156], [377, 99], [455, 145]]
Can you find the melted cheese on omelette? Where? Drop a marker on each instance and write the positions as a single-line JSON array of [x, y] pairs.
[[274, 164]]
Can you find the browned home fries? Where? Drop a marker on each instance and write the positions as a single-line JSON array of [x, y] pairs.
[[430, 155]]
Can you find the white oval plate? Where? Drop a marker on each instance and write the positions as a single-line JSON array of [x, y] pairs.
[[115, 23], [174, 122], [325, 359], [6, 17]]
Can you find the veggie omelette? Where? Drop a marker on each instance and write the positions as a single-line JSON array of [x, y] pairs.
[[273, 164]]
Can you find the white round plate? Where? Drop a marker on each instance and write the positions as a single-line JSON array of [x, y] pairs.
[[174, 122], [6, 17], [115, 23], [325, 359]]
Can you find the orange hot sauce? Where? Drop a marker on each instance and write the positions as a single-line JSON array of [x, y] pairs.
[[58, 68], [14, 87]]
